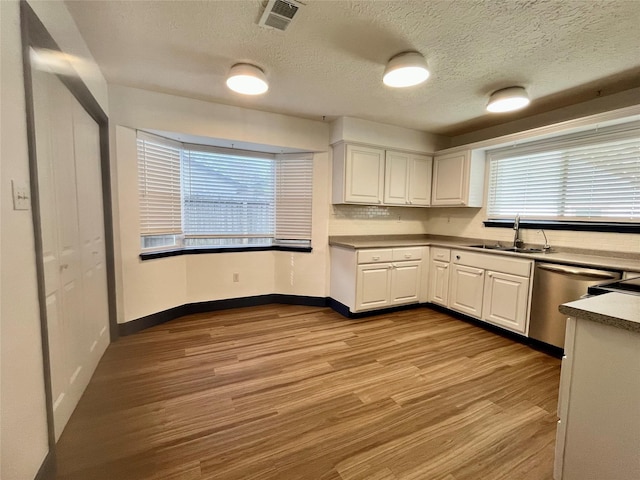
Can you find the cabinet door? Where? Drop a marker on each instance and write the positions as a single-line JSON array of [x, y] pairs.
[[439, 282], [420, 168], [505, 301], [373, 286], [467, 285], [405, 282], [364, 174], [396, 173], [450, 179]]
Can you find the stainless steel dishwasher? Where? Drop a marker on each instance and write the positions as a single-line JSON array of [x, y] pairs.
[[554, 285]]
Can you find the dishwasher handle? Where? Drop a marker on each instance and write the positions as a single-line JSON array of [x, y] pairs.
[[585, 272]]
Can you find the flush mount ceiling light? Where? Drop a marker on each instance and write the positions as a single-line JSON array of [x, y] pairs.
[[406, 70], [508, 100], [247, 79]]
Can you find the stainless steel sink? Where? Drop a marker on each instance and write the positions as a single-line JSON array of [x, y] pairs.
[[509, 249]]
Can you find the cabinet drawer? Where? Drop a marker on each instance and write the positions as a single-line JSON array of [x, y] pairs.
[[375, 256], [495, 263], [409, 253], [441, 254]]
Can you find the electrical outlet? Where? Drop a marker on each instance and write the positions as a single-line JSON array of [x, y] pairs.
[[21, 199], [236, 277]]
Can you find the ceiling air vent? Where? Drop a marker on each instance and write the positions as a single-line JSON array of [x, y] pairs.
[[278, 14]]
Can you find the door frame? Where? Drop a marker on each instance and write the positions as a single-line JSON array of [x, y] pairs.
[[34, 34]]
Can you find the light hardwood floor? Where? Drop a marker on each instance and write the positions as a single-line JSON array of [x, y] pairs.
[[289, 392]]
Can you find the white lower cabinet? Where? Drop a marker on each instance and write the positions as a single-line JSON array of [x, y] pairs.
[[373, 285], [466, 287], [405, 282], [598, 434], [439, 282], [492, 288], [505, 301], [439, 276], [370, 279]]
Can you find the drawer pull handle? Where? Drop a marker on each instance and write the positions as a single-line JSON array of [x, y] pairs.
[[377, 257], [457, 257], [407, 255]]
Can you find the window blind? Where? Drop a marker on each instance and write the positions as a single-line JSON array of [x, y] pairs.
[[590, 176], [294, 186], [227, 195], [159, 185]]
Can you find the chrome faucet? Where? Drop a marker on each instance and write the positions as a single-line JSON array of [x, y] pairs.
[[517, 241], [546, 247]]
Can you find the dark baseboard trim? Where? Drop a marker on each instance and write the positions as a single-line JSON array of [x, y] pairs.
[[530, 342], [343, 310], [47, 470], [215, 305]]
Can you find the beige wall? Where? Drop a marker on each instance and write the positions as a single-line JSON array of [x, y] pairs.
[[151, 286], [23, 428]]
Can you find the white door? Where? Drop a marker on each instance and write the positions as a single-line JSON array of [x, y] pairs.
[[364, 174], [395, 178], [467, 285], [505, 301], [372, 286], [91, 230], [67, 158], [420, 168], [405, 282], [439, 283]]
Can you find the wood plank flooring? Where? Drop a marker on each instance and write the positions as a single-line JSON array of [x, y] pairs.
[[289, 392]]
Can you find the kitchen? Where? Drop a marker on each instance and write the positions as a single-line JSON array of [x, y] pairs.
[[153, 286]]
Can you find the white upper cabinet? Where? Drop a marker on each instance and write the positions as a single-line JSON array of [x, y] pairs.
[[407, 179], [358, 175], [420, 167], [396, 176], [458, 179], [375, 176]]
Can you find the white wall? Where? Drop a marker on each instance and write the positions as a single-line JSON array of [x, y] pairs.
[[154, 285], [23, 428]]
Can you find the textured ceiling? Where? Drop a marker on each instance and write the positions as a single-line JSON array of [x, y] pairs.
[[330, 60]]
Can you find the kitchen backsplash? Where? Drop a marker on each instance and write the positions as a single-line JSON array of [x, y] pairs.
[[463, 222], [376, 220]]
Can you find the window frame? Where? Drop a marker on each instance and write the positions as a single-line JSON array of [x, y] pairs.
[[236, 242], [565, 146]]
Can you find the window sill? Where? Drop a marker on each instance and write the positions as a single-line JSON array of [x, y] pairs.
[[175, 252], [574, 226]]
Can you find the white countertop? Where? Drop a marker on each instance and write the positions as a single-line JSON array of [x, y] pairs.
[[620, 310]]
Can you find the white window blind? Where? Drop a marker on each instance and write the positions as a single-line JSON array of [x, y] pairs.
[[591, 176], [294, 186], [159, 186], [227, 195]]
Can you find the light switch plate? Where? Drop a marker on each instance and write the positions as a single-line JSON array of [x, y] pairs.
[[21, 200]]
